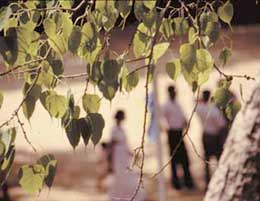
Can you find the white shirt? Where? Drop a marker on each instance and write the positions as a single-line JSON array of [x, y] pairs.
[[174, 115], [211, 118]]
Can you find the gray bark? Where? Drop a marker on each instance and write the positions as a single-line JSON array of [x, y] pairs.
[[237, 176]]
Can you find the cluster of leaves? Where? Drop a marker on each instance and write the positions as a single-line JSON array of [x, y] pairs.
[[32, 178], [38, 56], [226, 100], [7, 152], [196, 62]]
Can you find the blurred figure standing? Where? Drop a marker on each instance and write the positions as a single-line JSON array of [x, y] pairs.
[[212, 122], [176, 123], [124, 180]]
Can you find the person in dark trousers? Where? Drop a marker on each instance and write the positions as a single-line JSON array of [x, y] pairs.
[[212, 122], [176, 123]]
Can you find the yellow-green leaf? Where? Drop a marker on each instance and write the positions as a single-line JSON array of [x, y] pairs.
[[91, 103], [224, 56], [204, 60], [226, 12], [173, 69], [56, 105], [159, 50]]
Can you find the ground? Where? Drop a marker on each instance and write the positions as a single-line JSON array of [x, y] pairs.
[[76, 174]]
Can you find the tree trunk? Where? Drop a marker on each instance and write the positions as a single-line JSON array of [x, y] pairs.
[[238, 174]]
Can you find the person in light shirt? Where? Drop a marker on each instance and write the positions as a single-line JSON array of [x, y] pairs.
[[176, 122], [125, 180], [212, 122]]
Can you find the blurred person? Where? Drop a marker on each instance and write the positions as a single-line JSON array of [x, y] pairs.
[[125, 181], [153, 129], [212, 122], [104, 163], [176, 122]]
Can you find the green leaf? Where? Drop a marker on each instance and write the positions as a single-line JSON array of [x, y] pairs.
[[222, 97], [76, 112], [49, 163], [2, 150], [1, 99], [51, 172], [188, 56], [225, 55], [108, 90], [35, 91], [206, 17], [192, 35], [67, 25], [58, 44], [232, 109], [56, 105], [213, 31], [111, 70], [89, 38], [28, 106], [173, 69], [66, 3], [159, 50], [31, 182], [43, 98], [149, 4], [204, 60], [166, 28], [8, 137], [95, 72], [73, 133], [74, 39], [131, 81], [85, 129], [141, 42], [124, 7], [91, 103], [226, 12], [181, 26], [5, 13], [49, 27], [140, 10], [97, 126], [150, 19]]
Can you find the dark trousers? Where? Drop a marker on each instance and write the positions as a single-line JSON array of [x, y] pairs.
[[212, 145], [180, 158]]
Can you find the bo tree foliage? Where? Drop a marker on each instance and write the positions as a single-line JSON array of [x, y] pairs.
[[38, 57]]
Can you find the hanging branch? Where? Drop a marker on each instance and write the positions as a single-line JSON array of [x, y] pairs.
[[141, 148], [24, 132]]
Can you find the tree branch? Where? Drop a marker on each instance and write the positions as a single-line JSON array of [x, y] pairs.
[[24, 132], [232, 76]]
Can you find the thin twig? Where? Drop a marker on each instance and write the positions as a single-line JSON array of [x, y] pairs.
[[23, 100], [137, 59], [73, 76], [24, 132], [137, 69], [18, 67], [183, 135], [232, 76]]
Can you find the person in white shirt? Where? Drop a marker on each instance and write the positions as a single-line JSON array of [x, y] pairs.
[[212, 122], [176, 123], [124, 180]]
